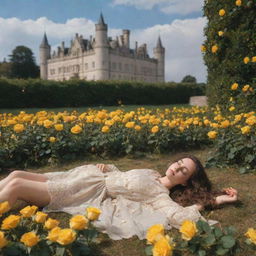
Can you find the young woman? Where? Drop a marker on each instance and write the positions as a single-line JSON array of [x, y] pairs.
[[130, 201]]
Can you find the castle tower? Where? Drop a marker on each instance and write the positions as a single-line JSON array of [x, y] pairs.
[[45, 54], [101, 50], [159, 54], [126, 36]]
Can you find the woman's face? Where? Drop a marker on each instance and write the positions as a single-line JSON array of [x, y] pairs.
[[179, 172]]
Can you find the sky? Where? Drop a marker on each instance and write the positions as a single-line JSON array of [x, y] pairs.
[[179, 23]]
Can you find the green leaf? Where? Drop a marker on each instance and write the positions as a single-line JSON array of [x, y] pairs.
[[210, 240], [217, 232], [228, 242], [60, 251], [148, 250], [12, 251], [201, 253], [221, 251]]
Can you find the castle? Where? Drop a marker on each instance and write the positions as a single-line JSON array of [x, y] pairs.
[[102, 58]]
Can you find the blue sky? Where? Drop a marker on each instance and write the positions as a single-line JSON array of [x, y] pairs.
[[118, 15], [178, 22]]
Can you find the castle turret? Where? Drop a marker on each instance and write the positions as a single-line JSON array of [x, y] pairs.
[[45, 54], [159, 54], [101, 50], [126, 36]]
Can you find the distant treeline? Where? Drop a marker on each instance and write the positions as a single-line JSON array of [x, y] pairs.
[[36, 93]]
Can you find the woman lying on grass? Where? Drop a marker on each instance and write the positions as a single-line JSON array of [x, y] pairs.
[[130, 201]]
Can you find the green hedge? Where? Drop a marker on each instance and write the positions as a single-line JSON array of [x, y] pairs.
[[17, 93]]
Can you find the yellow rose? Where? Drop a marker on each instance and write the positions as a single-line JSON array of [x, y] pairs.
[[78, 222], [11, 122], [40, 217], [232, 108], [214, 48], [51, 223], [53, 234], [105, 129], [137, 128], [246, 87], [206, 122], [238, 2], [52, 139], [76, 129], [251, 120], [18, 128], [93, 213], [58, 127], [220, 33], [10, 222], [234, 86], [48, 124], [29, 239], [222, 12], [3, 241], [254, 59], [225, 124], [212, 134], [162, 248], [246, 60], [246, 129], [203, 48], [188, 230], [129, 124], [4, 207], [154, 233], [251, 234], [28, 211], [155, 129], [66, 236]]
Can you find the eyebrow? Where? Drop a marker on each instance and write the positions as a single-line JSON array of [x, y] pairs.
[[184, 166]]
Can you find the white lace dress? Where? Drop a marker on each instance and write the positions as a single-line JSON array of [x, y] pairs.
[[130, 201]]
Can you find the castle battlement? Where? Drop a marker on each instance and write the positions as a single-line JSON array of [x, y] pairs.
[[102, 58]]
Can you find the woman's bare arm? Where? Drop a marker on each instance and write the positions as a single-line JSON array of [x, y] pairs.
[[230, 196]]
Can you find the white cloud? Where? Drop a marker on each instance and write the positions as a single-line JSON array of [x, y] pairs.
[[181, 39], [167, 6]]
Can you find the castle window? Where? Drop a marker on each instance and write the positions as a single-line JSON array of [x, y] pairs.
[[86, 66], [59, 70], [93, 64], [113, 65], [120, 66], [126, 67], [103, 63]]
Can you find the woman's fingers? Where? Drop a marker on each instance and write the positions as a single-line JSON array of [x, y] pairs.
[[102, 167]]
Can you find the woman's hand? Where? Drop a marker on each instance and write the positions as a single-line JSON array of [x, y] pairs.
[[229, 197], [102, 167]]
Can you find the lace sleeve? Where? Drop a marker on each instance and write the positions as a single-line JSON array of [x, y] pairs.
[[176, 214]]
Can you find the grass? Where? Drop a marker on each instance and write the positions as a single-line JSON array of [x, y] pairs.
[[240, 215], [16, 111]]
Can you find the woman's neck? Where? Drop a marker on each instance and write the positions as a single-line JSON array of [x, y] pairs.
[[166, 182]]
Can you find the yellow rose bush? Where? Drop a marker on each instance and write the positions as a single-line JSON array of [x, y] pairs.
[[52, 137], [194, 238], [34, 233]]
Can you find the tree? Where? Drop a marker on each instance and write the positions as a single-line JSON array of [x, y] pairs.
[[189, 79], [5, 69], [230, 53], [23, 63]]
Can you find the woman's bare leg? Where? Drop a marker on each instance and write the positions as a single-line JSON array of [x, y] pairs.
[[33, 192], [23, 175]]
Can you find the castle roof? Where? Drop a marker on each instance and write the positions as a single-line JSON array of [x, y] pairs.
[[44, 41], [101, 20], [159, 43]]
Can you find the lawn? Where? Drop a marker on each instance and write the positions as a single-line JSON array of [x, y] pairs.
[[240, 215]]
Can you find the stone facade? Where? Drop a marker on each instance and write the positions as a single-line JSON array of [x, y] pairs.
[[102, 58]]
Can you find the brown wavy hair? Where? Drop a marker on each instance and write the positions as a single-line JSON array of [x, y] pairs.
[[198, 188]]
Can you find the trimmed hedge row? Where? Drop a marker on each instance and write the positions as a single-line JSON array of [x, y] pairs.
[[17, 93]]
